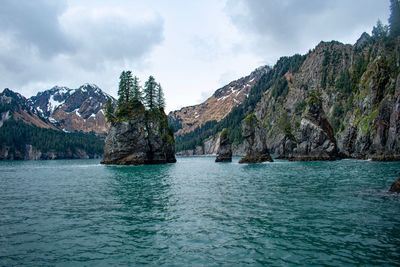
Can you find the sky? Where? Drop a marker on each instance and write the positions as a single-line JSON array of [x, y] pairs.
[[191, 47]]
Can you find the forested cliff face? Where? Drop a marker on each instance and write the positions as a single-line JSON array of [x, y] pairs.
[[357, 88]]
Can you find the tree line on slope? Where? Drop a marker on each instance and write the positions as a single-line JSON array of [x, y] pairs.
[[271, 79], [16, 134], [274, 80]]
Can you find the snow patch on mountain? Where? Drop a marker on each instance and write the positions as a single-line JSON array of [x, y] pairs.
[[54, 104]]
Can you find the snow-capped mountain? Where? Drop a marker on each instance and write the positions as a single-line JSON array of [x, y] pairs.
[[14, 105], [217, 106], [71, 110]]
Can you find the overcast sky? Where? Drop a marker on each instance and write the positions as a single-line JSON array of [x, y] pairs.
[[191, 47]]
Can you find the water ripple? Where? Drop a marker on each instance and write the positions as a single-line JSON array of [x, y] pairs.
[[197, 212]]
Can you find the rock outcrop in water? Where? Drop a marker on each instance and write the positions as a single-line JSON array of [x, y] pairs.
[[139, 134], [254, 142], [316, 140], [144, 139], [395, 187], [224, 153]]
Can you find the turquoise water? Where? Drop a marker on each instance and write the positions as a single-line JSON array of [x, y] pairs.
[[198, 212]]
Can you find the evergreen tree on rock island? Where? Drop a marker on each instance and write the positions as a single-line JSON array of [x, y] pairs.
[[139, 132]]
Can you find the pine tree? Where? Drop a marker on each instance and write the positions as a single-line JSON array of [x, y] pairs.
[[128, 85], [136, 90], [380, 31], [150, 93], [121, 88], [160, 97], [109, 111], [394, 19]]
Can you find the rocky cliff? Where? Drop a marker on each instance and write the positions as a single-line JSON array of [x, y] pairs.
[[358, 117], [224, 152], [315, 139], [143, 139], [256, 150], [359, 92]]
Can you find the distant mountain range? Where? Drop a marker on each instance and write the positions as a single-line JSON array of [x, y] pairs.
[[59, 108], [72, 118]]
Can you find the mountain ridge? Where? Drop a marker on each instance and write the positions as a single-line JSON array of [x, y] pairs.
[[58, 123], [358, 86], [217, 106]]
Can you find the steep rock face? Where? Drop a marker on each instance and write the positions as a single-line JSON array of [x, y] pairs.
[[224, 153], [144, 139], [254, 141], [73, 109], [316, 140], [281, 112], [210, 146], [359, 87], [217, 106]]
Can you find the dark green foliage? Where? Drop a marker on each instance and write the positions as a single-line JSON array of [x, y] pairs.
[[314, 99], [285, 126], [250, 118], [17, 134], [343, 84], [195, 138], [160, 97], [225, 133], [233, 120], [394, 19], [380, 31], [300, 107], [359, 67], [325, 66], [125, 89], [121, 88], [131, 98], [337, 117], [150, 91], [109, 111], [174, 124], [136, 94], [280, 88]]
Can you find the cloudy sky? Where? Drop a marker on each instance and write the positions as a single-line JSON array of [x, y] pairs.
[[191, 47]]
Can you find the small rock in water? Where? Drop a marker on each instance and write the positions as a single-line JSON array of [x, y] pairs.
[[395, 188], [224, 153]]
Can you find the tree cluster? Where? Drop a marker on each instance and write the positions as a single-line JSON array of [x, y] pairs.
[[132, 97], [381, 31]]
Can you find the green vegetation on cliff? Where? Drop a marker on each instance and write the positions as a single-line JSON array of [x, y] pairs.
[[355, 87], [273, 78]]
